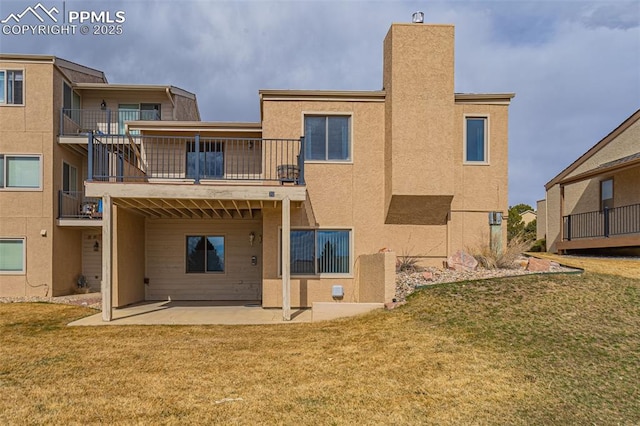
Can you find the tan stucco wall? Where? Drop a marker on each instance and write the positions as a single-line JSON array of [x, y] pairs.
[[27, 129], [419, 77], [541, 224], [376, 277], [128, 257], [416, 137], [584, 196]]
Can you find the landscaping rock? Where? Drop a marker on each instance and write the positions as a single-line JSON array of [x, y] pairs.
[[462, 261], [428, 276], [538, 265], [392, 305]]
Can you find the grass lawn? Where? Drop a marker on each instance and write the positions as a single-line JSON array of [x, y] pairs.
[[554, 349]]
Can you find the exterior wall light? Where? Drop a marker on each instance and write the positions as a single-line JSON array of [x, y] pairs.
[[103, 105], [252, 237]]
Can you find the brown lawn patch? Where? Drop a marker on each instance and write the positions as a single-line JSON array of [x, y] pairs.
[[552, 349], [623, 267]]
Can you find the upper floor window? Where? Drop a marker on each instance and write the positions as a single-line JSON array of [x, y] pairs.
[[327, 138], [475, 144], [606, 194], [11, 87], [69, 178], [20, 171]]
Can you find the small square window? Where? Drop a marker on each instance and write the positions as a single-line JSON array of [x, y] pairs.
[[205, 254], [12, 256], [475, 147], [327, 138]]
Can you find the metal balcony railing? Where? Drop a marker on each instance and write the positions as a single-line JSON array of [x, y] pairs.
[[74, 205], [602, 224], [141, 158], [75, 122]]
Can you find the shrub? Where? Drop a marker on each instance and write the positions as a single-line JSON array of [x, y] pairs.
[[539, 246], [491, 259]]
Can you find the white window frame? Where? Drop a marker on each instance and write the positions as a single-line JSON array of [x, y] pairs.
[[324, 274], [5, 84], [75, 182], [3, 158], [487, 143], [326, 114], [24, 256]]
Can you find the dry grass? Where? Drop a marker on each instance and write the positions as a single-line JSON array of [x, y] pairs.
[[529, 350], [623, 267], [489, 258]]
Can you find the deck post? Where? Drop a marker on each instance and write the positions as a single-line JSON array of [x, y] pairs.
[[286, 256], [107, 261], [90, 157]]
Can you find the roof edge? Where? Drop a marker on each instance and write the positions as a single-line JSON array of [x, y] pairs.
[[595, 148]]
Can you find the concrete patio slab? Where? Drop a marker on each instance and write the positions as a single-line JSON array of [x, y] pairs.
[[194, 313]]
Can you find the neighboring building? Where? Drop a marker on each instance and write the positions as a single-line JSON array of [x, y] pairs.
[[595, 202], [188, 210], [528, 217]]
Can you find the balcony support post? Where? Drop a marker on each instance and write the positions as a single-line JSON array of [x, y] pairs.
[[606, 222], [90, 157], [301, 162], [107, 261], [569, 228], [286, 259], [197, 155]]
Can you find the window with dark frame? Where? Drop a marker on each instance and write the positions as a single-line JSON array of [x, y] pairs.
[[69, 178], [11, 87], [606, 194], [205, 254], [476, 140], [320, 251], [327, 137]]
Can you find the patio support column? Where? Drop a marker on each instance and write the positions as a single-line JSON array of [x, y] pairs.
[[286, 256], [107, 232]]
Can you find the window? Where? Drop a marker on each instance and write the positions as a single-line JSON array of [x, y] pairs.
[[475, 147], [150, 112], [207, 162], [11, 87], [320, 252], [205, 254], [69, 178], [12, 256], [20, 171], [327, 138], [71, 103], [606, 194]]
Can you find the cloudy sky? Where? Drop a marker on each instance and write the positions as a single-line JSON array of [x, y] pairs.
[[574, 65]]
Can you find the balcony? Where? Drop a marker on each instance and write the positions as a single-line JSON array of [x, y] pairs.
[[73, 207], [195, 160], [615, 227], [76, 122]]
